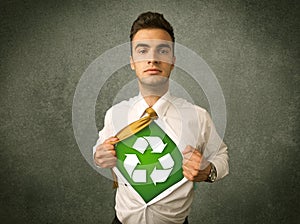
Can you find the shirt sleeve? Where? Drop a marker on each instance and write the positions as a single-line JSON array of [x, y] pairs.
[[106, 132], [214, 149]]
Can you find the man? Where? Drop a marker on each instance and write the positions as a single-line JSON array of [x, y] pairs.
[[204, 154]]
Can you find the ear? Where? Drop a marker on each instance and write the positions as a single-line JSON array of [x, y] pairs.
[[132, 63], [173, 62]]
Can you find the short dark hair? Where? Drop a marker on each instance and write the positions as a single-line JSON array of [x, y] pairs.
[[150, 20]]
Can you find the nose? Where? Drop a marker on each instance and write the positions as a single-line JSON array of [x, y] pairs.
[[153, 59]]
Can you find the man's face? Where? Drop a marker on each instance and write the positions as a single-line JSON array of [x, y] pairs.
[[152, 56]]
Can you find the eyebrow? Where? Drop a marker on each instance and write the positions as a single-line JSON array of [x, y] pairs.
[[141, 45], [164, 45], [146, 45]]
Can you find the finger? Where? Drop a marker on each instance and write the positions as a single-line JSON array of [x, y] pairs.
[[188, 149], [191, 172], [106, 153], [187, 156], [105, 147], [187, 152], [106, 163], [187, 159], [190, 167], [191, 155], [185, 168], [194, 156], [191, 163], [188, 175], [111, 139]]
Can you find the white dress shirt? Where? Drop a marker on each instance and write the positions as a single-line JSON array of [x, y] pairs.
[[186, 124]]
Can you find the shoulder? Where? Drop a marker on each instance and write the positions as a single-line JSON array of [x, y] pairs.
[[183, 104], [122, 107]]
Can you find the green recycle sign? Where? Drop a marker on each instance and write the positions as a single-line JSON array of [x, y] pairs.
[[157, 175], [149, 161]]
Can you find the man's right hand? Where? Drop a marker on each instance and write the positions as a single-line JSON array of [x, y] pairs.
[[105, 155]]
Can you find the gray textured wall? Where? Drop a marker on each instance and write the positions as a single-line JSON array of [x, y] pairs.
[[253, 48]]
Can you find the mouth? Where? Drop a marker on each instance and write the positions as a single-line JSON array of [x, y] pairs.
[[152, 71]]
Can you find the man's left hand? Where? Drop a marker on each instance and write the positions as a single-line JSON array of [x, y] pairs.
[[191, 165]]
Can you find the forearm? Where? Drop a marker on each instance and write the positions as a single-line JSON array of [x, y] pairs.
[[220, 161]]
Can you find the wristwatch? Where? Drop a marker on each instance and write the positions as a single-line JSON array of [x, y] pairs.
[[212, 175]]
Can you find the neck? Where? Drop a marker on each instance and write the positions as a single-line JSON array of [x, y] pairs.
[[151, 96], [151, 100]]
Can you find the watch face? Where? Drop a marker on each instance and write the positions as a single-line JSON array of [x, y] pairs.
[[213, 174]]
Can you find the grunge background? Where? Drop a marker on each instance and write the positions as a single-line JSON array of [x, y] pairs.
[[45, 46]]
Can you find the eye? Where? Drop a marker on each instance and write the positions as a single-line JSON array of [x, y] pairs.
[[142, 51], [164, 50]]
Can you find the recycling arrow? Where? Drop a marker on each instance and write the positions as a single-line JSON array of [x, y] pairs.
[[140, 145], [156, 144], [130, 163], [166, 161], [139, 176], [159, 176]]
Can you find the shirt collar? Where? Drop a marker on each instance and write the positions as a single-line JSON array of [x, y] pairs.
[[162, 105], [139, 106]]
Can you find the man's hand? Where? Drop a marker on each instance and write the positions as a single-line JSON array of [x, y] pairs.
[[191, 165], [105, 155]]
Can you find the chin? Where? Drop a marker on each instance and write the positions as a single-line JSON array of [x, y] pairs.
[[154, 80]]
